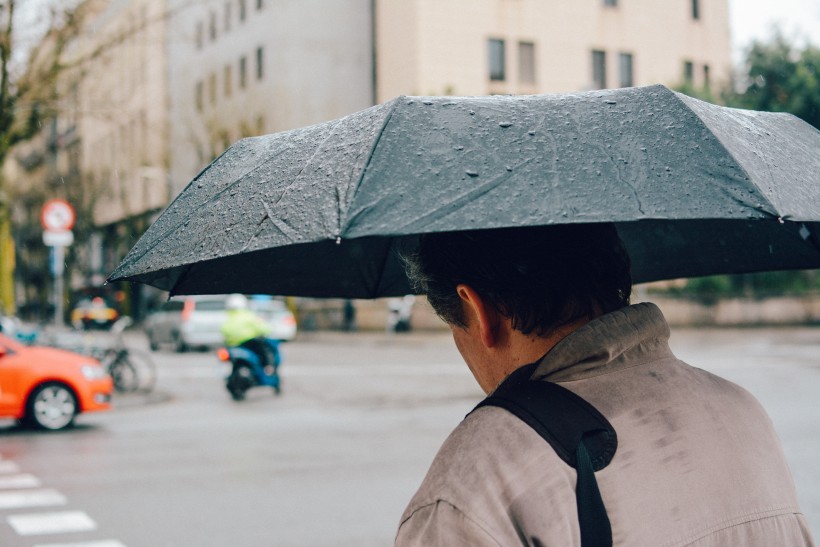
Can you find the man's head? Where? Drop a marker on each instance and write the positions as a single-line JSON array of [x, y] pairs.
[[540, 278]]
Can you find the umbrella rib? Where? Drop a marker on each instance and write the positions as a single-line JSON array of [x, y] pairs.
[[464, 198], [182, 221], [700, 119], [376, 141]]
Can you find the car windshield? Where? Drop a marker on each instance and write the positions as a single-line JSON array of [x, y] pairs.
[[8, 343], [210, 305]]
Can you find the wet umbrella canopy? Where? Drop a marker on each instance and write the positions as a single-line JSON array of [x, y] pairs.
[[694, 188]]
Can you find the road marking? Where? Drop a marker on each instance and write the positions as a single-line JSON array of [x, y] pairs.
[[8, 467], [23, 480], [30, 498], [103, 543], [51, 523]]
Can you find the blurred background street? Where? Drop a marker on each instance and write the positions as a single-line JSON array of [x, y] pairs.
[[109, 108], [335, 458]]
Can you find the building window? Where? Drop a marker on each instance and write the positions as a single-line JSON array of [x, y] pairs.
[[695, 10], [526, 62], [625, 70], [260, 4], [228, 80], [243, 72], [212, 27], [228, 16], [611, 3], [200, 34], [212, 88], [199, 98], [598, 69], [706, 78], [242, 11], [688, 71], [496, 58], [260, 65]]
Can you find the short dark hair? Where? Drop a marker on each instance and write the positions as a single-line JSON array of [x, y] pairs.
[[541, 277]]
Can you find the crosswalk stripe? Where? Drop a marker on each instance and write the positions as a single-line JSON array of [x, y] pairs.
[[14, 499], [8, 467], [23, 480], [103, 543], [51, 523]]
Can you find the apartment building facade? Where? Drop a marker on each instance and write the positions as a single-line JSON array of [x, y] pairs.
[[480, 47], [242, 68]]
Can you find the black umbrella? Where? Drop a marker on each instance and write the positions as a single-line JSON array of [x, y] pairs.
[[694, 188]]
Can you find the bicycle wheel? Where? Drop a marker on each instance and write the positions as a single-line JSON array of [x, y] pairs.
[[124, 374], [143, 363]]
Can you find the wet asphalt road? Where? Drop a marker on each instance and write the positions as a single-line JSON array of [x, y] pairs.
[[334, 459]]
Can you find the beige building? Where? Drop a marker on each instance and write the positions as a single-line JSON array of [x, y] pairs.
[[480, 47], [241, 68], [120, 90]]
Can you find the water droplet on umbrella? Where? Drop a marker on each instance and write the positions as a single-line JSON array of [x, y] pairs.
[[472, 112], [428, 103], [471, 173], [505, 124], [459, 147], [610, 102], [530, 133]]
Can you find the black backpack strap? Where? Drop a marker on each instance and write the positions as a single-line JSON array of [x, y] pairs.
[[579, 434]]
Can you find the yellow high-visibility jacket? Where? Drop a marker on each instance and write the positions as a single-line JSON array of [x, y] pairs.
[[241, 326]]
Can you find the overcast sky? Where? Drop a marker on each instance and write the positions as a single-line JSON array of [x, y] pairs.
[[751, 19]]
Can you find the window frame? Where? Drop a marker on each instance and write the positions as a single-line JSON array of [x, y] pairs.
[[528, 68], [598, 69], [498, 54], [626, 60]]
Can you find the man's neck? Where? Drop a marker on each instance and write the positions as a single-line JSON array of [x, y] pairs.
[[522, 349]]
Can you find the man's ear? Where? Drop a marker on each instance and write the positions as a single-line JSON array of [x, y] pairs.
[[480, 311]]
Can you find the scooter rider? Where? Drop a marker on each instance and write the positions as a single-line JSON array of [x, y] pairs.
[[246, 329]]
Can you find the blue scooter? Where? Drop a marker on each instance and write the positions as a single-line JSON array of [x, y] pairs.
[[247, 370]]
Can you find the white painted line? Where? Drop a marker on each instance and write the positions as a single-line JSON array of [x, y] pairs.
[[23, 480], [103, 543], [14, 499], [8, 467], [51, 523]]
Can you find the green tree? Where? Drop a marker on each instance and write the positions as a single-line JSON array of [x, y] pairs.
[[782, 78], [775, 76]]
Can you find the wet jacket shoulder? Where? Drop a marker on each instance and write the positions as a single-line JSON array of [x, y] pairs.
[[698, 461]]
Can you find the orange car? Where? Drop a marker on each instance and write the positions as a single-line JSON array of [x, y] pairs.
[[46, 388]]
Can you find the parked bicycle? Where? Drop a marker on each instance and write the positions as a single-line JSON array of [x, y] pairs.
[[132, 370]]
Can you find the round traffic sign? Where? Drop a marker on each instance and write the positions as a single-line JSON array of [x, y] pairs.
[[57, 215]]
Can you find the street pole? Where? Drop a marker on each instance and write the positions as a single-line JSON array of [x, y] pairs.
[[57, 217], [57, 269]]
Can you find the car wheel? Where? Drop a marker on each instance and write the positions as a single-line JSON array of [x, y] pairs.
[[51, 406], [180, 344], [152, 342]]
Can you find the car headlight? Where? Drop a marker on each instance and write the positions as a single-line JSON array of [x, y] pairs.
[[93, 372]]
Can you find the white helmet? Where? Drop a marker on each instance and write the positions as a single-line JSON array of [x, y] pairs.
[[236, 302]]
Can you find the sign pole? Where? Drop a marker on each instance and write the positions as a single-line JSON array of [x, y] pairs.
[[57, 217], [57, 269]]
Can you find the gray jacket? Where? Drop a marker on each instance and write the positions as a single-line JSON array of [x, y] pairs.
[[698, 461]]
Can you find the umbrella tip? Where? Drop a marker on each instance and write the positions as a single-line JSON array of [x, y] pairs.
[[338, 240]]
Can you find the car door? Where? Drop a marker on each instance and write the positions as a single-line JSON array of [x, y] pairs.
[[9, 380]]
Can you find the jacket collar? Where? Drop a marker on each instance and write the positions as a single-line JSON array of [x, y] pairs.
[[624, 338]]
